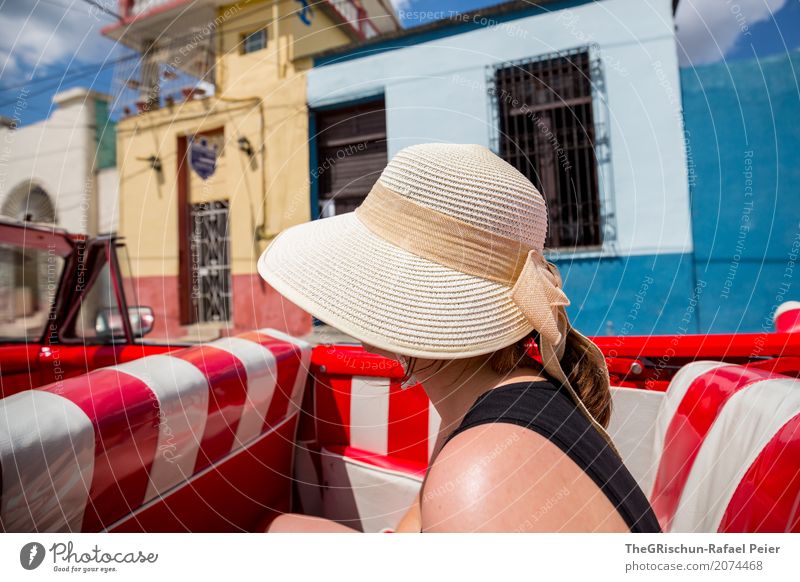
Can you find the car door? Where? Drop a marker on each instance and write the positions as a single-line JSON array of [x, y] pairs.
[[33, 263]]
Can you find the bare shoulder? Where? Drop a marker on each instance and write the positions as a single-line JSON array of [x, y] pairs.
[[503, 477]]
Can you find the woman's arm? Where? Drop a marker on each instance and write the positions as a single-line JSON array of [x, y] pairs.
[[504, 478]]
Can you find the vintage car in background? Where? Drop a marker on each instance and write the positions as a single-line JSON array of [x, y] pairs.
[[101, 430]]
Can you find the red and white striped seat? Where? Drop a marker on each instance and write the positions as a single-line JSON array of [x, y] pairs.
[[157, 444], [787, 317], [371, 445], [727, 445], [719, 451]]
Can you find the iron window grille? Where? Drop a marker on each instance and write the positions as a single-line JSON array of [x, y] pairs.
[[546, 126]]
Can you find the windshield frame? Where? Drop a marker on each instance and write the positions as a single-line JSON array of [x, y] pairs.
[[96, 255]]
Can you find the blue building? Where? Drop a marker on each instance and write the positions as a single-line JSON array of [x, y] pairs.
[[586, 99], [743, 150]]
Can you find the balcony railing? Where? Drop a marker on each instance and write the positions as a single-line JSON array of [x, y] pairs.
[[128, 8], [355, 16], [165, 73], [180, 66], [351, 11]]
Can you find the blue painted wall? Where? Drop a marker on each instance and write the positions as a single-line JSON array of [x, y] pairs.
[[742, 123], [633, 295]]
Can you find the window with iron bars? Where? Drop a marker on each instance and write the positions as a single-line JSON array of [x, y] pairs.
[[547, 131], [254, 41]]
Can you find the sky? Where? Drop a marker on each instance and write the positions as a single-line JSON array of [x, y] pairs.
[[58, 42]]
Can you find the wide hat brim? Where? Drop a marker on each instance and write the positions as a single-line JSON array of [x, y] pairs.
[[348, 277]]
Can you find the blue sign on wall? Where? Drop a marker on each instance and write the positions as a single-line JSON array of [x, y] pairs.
[[202, 157], [305, 13]]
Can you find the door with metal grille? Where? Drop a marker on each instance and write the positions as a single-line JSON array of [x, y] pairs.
[[211, 270]]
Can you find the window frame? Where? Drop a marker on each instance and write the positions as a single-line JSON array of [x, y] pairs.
[[248, 36], [323, 203], [598, 110], [99, 253]]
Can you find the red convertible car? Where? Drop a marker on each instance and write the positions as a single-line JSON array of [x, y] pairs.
[[102, 431]]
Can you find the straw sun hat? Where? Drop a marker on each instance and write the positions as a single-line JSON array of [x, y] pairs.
[[443, 260]]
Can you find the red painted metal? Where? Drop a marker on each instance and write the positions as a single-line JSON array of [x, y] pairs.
[[30, 236], [242, 492], [19, 368], [26, 366], [18, 358], [85, 359], [352, 360], [116, 281], [185, 269], [698, 347]]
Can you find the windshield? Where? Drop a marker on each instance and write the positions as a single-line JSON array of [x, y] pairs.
[[29, 282]]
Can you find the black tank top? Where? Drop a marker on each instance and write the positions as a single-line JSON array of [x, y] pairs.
[[548, 409]]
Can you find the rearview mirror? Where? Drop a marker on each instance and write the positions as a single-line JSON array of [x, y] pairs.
[[109, 323], [142, 320]]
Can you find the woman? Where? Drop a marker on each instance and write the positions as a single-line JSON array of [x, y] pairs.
[[442, 268]]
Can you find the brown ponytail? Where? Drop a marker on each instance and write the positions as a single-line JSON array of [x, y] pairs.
[[581, 362]]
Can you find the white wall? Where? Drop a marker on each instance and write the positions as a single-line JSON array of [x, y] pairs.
[[107, 200], [57, 154], [437, 91]]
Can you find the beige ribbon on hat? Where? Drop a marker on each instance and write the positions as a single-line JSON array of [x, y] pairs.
[[535, 282]]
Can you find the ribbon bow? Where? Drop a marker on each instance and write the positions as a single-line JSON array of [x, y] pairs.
[[539, 296]]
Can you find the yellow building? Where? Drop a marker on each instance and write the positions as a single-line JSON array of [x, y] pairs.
[[214, 159]]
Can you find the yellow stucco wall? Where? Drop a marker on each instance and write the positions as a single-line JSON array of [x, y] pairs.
[[260, 96]]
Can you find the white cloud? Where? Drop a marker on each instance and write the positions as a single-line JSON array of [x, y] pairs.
[[708, 29], [39, 35], [401, 4]]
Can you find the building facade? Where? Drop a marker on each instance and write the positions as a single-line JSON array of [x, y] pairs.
[[744, 161], [583, 97], [62, 170], [213, 150]]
